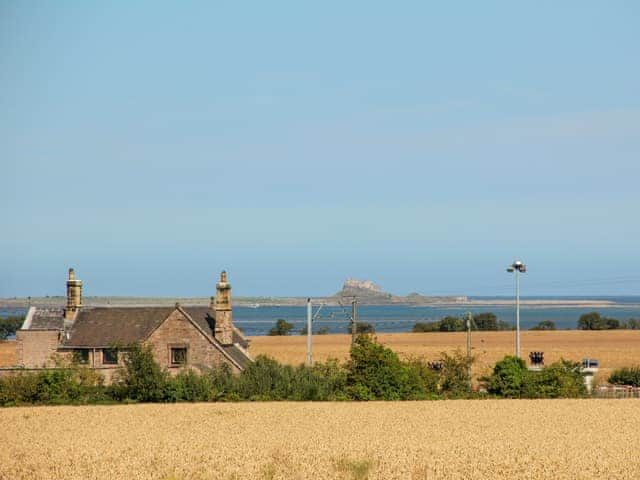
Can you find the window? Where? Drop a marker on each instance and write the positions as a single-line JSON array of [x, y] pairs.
[[81, 356], [109, 356], [178, 355]]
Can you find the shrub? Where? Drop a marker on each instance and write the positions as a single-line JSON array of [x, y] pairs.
[[265, 379], [451, 324], [421, 327], [559, 380], [375, 372], [282, 327], [626, 376], [591, 321], [362, 328], [9, 325], [455, 376], [509, 378], [544, 325], [633, 324], [141, 379]]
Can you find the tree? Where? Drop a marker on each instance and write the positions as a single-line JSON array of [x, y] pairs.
[[509, 378], [9, 326], [362, 328], [613, 323], [451, 324], [282, 327], [633, 324], [421, 327], [544, 325], [486, 321], [591, 321], [320, 331], [142, 378], [375, 372]]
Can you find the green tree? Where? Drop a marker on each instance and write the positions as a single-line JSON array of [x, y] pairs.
[[9, 326], [451, 324], [544, 325], [362, 327], [421, 327], [626, 376], [633, 324], [141, 379], [592, 321], [282, 327], [486, 321], [375, 372], [509, 378]]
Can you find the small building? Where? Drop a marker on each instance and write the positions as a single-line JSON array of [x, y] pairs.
[[180, 337]]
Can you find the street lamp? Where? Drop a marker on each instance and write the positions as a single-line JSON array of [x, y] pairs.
[[519, 268]]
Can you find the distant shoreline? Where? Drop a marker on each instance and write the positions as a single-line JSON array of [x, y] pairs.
[[256, 302]]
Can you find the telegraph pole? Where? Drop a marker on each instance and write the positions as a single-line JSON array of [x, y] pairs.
[[309, 333], [354, 329], [469, 317]]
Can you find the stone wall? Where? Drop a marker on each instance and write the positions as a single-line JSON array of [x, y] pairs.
[[178, 331], [35, 348]]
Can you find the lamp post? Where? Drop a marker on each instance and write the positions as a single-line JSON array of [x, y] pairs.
[[518, 267]]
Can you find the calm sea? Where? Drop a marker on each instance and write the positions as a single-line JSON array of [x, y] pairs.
[[399, 318]]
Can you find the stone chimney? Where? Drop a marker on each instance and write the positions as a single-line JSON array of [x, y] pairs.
[[74, 296], [224, 315]]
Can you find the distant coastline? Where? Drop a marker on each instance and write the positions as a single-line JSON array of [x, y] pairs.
[[557, 302]]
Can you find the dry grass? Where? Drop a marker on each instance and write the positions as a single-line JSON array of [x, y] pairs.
[[614, 349], [555, 439]]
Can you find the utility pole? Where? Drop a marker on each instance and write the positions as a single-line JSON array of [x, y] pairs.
[[469, 317], [354, 329], [309, 333]]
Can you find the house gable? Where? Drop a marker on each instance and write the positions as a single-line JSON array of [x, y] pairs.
[[179, 330]]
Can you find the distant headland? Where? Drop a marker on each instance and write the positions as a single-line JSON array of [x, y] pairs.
[[366, 292]]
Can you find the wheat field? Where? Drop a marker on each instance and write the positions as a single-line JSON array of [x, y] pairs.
[[497, 439], [613, 348]]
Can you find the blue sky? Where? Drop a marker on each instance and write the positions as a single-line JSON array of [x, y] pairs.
[[423, 145]]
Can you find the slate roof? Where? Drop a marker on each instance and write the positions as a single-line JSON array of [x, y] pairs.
[[238, 355], [105, 326], [47, 319]]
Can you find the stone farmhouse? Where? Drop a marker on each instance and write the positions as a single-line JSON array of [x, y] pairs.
[[191, 337]]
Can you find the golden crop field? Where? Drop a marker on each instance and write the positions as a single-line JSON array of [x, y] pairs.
[[483, 439], [613, 348]]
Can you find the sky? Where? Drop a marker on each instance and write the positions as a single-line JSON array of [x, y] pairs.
[[421, 145]]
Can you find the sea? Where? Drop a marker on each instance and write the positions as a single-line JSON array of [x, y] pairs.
[[257, 320]]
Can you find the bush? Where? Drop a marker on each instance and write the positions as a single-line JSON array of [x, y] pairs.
[[422, 327], [9, 325], [509, 378], [455, 376], [559, 380], [141, 379], [633, 324], [375, 372], [626, 376], [451, 324], [512, 379], [362, 328], [591, 321], [320, 331], [282, 327], [544, 325]]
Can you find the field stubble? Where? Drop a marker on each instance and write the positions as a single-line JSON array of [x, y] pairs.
[[557, 439]]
